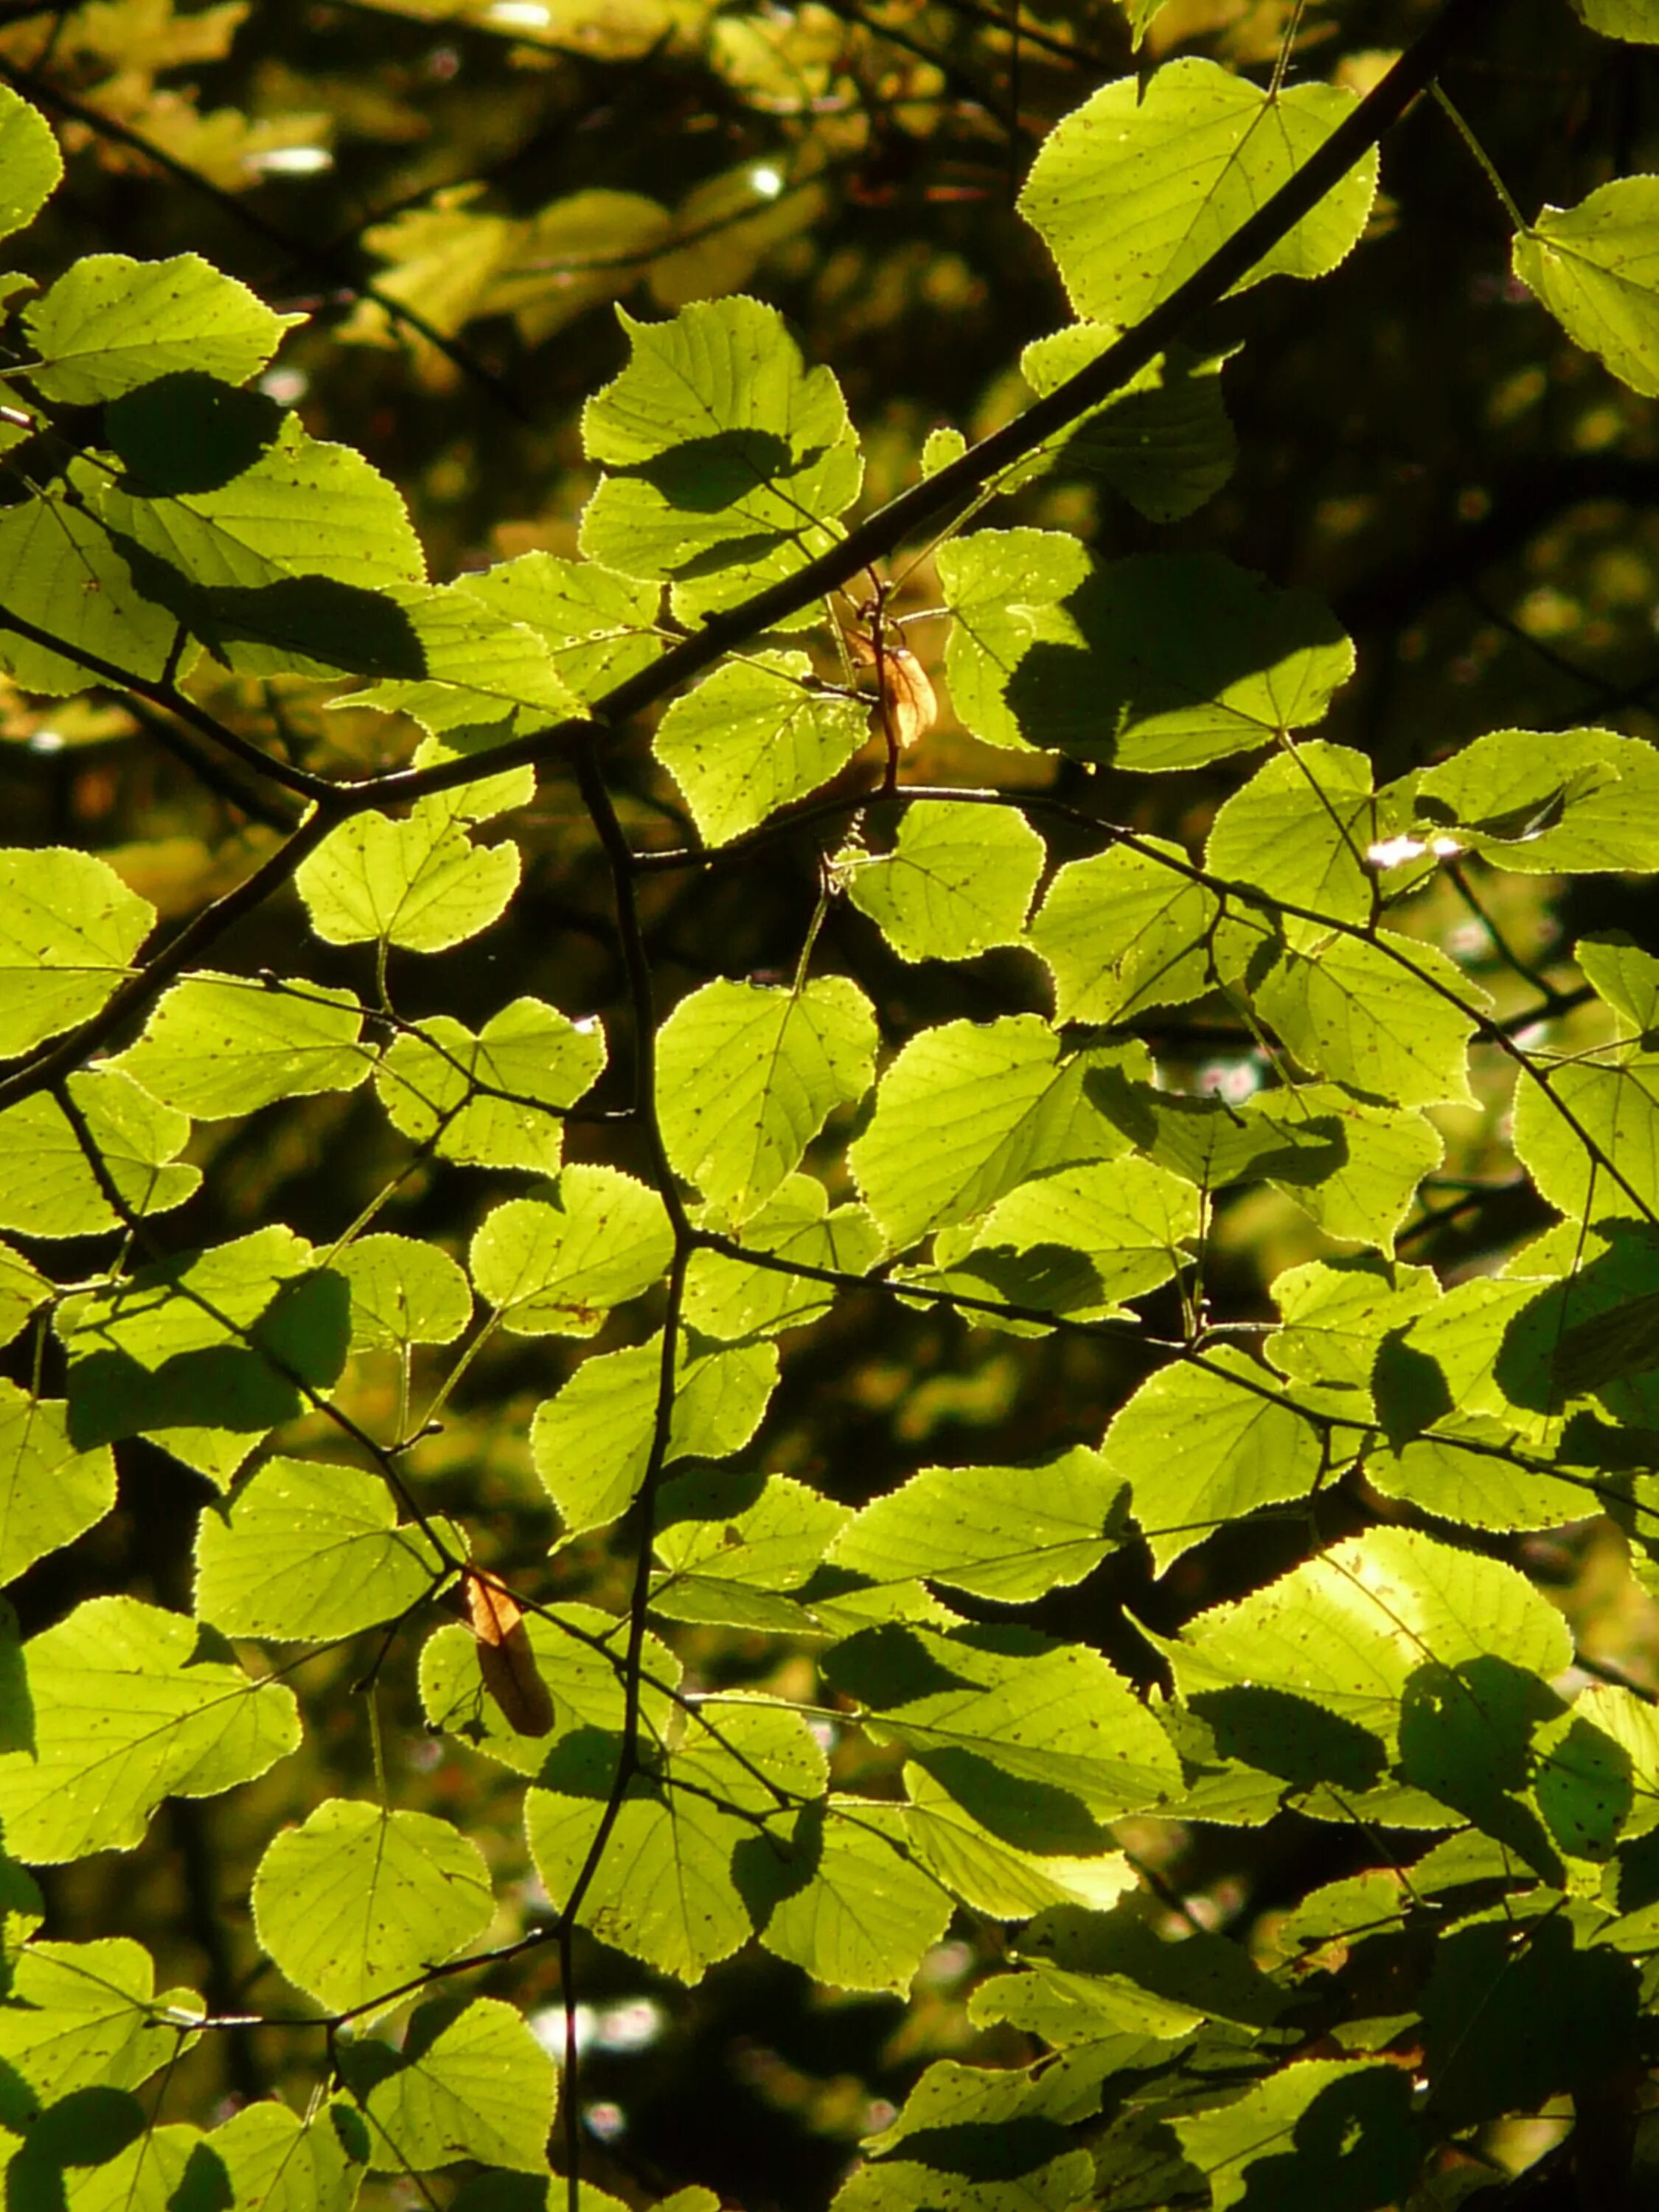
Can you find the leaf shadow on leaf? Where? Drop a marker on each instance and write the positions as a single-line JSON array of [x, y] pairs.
[[322, 626], [1054, 1277], [1171, 648], [708, 1494], [86, 2131], [365, 2064], [1512, 2017], [1032, 1816], [1209, 1973], [1280, 1733], [1585, 1788], [987, 2151], [187, 432], [768, 1867], [1210, 1141], [584, 1764], [1408, 1388], [887, 1666], [1596, 1332], [302, 1340], [17, 1700], [1465, 1736], [703, 475], [1356, 2146]]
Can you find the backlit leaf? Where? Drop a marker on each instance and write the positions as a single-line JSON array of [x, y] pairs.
[[754, 735], [310, 1550], [129, 1706], [958, 880], [68, 928], [747, 1076], [110, 324], [50, 1492], [471, 2084], [554, 1266], [1595, 267], [1136, 189], [221, 1045], [358, 1900]]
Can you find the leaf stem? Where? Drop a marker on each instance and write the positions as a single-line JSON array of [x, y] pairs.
[[1518, 221]]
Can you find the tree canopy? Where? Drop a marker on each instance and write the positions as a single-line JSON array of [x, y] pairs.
[[828, 1105]]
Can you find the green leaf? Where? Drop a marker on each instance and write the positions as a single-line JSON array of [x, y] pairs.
[[30, 163], [1006, 591], [967, 1111], [578, 1655], [59, 571], [847, 1904], [1590, 1139], [1624, 977], [129, 1706], [1464, 1473], [420, 882], [731, 1542], [68, 929], [988, 2138], [50, 1492], [167, 2169], [958, 880], [1350, 1628], [460, 663], [280, 568], [995, 1876], [1163, 440], [1106, 662], [23, 1291], [596, 625], [1202, 1446], [358, 1900], [1119, 934], [80, 2015], [491, 1100], [756, 734], [1594, 267], [222, 1045], [309, 1549], [229, 1339], [591, 1443], [47, 1186], [727, 1298], [726, 459], [1544, 801], [1336, 1315], [1365, 1185], [1006, 1533], [556, 1267], [1635, 19], [987, 1709], [402, 1293], [1135, 190], [281, 2163], [110, 324], [747, 1075], [471, 2083], [1339, 2127], [671, 1886], [1127, 1219], [1388, 1016], [1300, 830]]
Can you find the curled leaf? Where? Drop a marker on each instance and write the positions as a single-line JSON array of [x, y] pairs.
[[505, 1662]]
